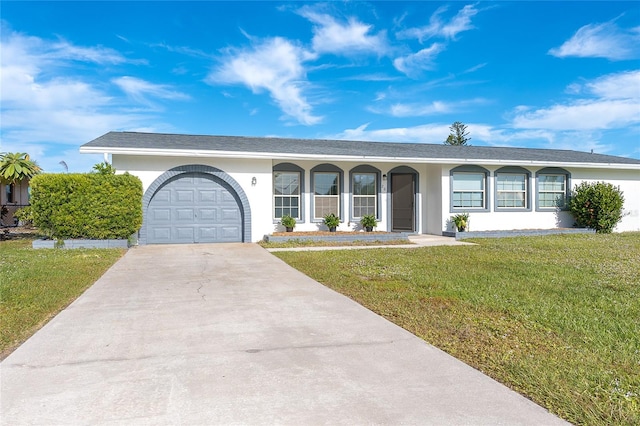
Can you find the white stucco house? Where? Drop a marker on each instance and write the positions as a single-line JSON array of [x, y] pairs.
[[229, 188]]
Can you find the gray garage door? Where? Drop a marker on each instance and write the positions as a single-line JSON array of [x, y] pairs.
[[194, 208]]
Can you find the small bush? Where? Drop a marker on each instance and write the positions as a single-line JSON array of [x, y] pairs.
[[597, 205], [90, 205], [24, 215]]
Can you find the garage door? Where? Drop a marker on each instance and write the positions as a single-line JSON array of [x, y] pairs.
[[194, 208]]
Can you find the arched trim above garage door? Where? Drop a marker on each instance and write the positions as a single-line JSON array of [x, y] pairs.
[[197, 168]]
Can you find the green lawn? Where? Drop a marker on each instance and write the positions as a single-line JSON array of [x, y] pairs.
[[555, 318], [37, 284]]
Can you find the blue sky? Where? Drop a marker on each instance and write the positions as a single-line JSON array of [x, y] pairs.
[[560, 75]]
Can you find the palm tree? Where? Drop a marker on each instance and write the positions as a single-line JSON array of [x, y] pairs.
[[16, 166]]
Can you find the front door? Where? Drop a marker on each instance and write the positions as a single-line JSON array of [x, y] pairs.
[[403, 202]]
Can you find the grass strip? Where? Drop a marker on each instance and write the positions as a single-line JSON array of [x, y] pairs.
[[37, 284], [556, 318]]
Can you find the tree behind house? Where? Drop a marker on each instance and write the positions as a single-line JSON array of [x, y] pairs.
[[459, 134]]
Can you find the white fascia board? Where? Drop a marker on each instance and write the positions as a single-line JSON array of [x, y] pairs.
[[324, 157]]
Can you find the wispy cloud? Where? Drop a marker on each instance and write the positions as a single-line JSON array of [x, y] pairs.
[[438, 27], [343, 38], [142, 91], [605, 40], [433, 108], [427, 133], [274, 65], [412, 65], [612, 103]]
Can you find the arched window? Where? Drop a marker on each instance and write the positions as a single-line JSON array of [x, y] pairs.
[[469, 188], [288, 190], [326, 186], [553, 186], [512, 192], [365, 192]]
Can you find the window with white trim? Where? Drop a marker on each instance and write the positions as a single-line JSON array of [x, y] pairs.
[[552, 190], [364, 188], [468, 190], [326, 194], [511, 190], [286, 194]]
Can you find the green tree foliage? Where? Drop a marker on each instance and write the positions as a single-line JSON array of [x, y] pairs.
[[597, 205], [87, 205], [104, 169], [15, 166], [459, 134]]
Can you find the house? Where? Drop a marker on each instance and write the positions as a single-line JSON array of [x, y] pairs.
[[12, 197], [229, 188]]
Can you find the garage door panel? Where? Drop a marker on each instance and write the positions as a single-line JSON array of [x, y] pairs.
[[194, 208], [184, 215], [161, 215], [161, 234], [208, 214], [184, 195], [229, 215], [162, 197], [207, 195], [230, 232]]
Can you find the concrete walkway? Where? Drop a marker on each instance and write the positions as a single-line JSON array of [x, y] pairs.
[[229, 334]]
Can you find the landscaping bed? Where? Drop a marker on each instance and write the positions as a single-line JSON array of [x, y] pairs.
[[343, 237], [516, 233]]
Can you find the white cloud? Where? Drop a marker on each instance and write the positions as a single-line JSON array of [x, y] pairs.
[[427, 133], [141, 90], [413, 64], [343, 38], [614, 104], [438, 28], [414, 110], [44, 105], [624, 85], [604, 40], [274, 65]]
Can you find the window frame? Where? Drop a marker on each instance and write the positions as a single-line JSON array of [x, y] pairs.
[[364, 170], [10, 193], [513, 170], [289, 168], [326, 169], [470, 169], [553, 171]]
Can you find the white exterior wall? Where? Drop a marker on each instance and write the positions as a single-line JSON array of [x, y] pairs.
[[627, 180], [433, 199], [149, 168]]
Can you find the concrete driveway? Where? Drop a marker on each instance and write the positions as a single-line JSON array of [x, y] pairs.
[[229, 334]]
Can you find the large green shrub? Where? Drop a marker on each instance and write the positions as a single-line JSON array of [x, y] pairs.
[[597, 205], [91, 205]]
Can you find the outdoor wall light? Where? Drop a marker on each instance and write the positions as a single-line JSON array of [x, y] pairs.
[[384, 177], [254, 181]]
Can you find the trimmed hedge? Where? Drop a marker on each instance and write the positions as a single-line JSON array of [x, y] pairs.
[[87, 205]]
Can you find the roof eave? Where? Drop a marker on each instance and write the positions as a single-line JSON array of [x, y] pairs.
[[325, 157]]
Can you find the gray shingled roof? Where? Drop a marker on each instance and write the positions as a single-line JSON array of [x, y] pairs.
[[337, 148]]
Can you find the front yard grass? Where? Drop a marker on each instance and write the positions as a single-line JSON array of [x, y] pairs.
[[37, 284], [555, 318]]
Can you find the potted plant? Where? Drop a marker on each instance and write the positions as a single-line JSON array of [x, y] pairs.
[[288, 222], [331, 221], [368, 222], [461, 221]]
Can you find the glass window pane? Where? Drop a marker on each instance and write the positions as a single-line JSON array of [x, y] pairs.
[[468, 181], [326, 183]]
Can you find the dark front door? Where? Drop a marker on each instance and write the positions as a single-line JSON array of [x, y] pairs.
[[403, 202]]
